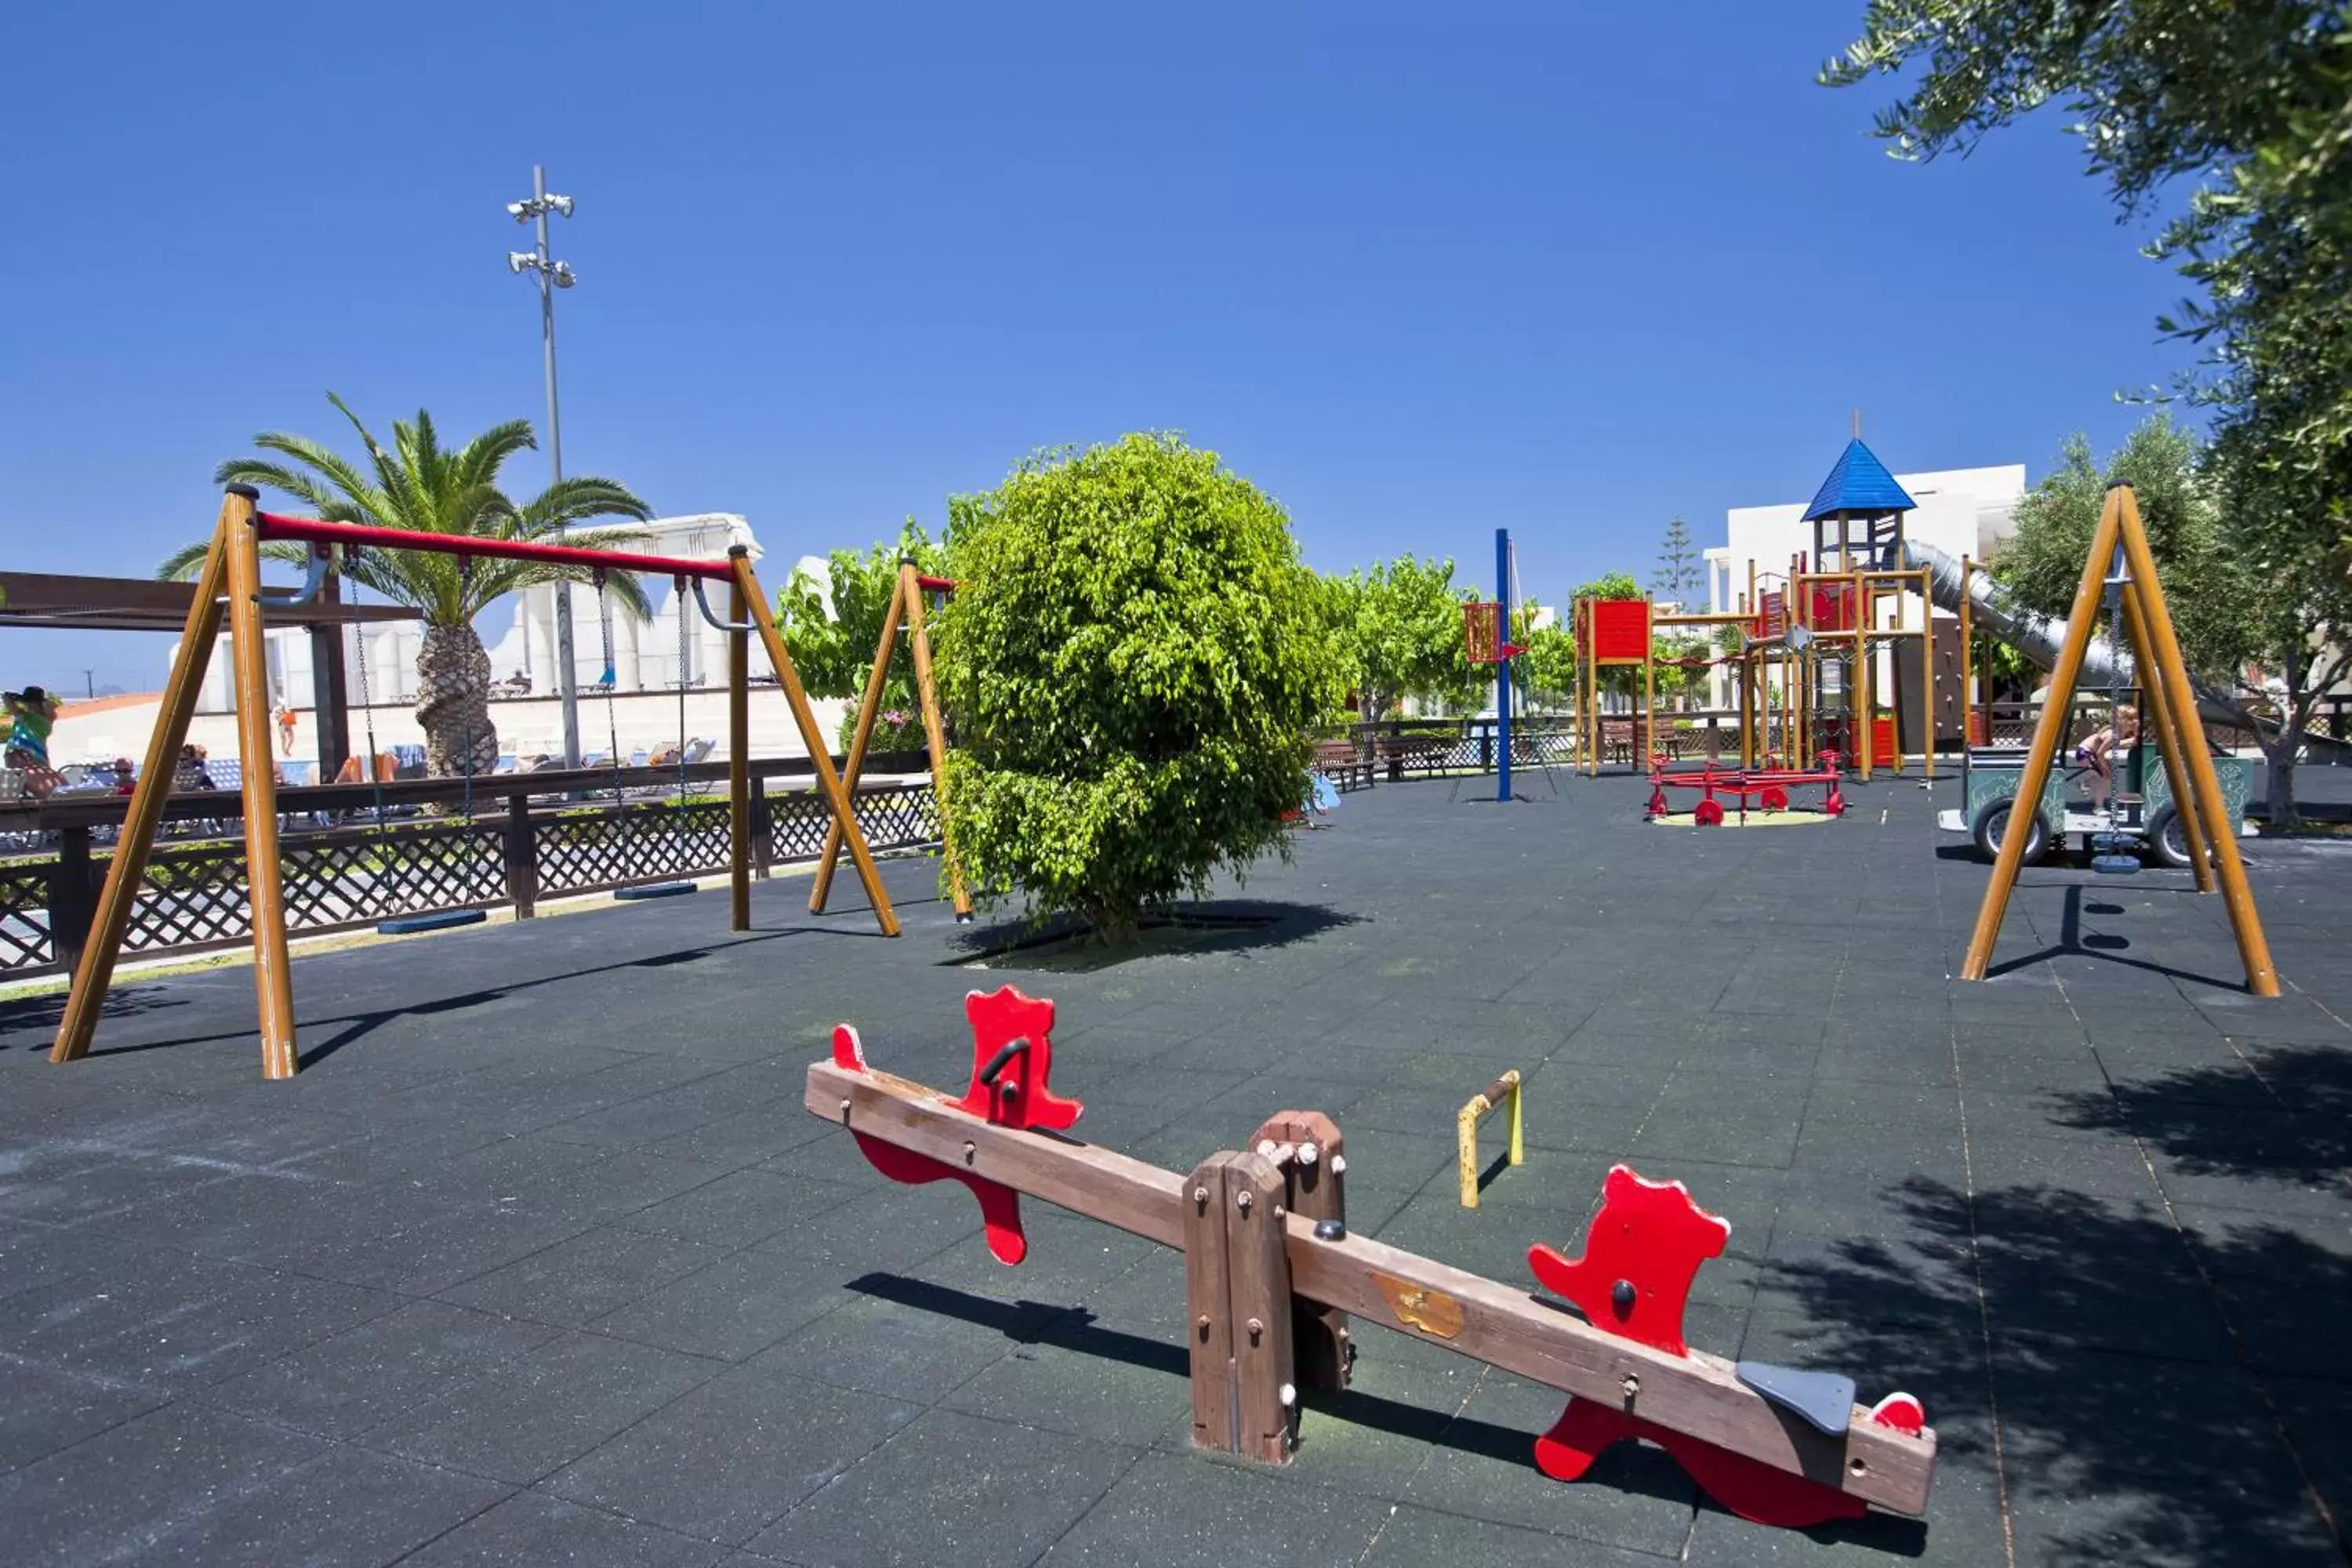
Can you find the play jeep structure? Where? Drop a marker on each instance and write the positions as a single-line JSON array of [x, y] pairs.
[[1989, 779]]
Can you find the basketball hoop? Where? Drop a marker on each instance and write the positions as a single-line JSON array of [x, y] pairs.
[[1481, 633]]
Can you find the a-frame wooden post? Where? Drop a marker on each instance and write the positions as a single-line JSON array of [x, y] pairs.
[[92, 977], [853, 766], [935, 737], [2172, 741], [2163, 650], [265, 886], [906, 602], [763, 619], [2161, 673]]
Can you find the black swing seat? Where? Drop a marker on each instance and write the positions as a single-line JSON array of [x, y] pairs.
[[1824, 1399], [437, 919], [653, 890]]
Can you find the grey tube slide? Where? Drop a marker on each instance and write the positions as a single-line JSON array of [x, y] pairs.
[[1993, 608]]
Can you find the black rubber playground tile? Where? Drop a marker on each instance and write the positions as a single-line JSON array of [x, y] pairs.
[[619, 1213]]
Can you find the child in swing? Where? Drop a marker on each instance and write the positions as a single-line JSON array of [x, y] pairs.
[[2096, 752]]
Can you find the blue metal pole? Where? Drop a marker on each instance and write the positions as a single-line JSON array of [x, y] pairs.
[[1503, 665]]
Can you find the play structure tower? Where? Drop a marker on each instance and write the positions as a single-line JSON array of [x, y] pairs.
[[1851, 594]]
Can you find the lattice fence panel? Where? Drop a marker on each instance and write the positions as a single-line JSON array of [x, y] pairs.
[[898, 817], [621, 844], [190, 897], [359, 878], [24, 941]]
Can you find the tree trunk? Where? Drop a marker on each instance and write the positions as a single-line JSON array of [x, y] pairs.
[[2280, 755], [453, 704]]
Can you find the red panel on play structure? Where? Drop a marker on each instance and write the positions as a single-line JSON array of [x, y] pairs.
[[1620, 630], [1832, 607]]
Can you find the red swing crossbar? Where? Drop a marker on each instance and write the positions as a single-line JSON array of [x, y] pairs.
[[271, 525]]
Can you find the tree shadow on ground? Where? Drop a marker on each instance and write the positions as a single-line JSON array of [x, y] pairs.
[[2299, 1129], [38, 1016], [2108, 1457], [1064, 944]]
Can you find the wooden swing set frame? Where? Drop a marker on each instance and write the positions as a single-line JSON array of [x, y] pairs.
[[907, 597], [230, 576], [2120, 545]]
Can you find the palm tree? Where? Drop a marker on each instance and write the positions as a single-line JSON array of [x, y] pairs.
[[421, 485]]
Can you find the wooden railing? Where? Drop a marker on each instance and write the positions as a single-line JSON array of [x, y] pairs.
[[529, 837]]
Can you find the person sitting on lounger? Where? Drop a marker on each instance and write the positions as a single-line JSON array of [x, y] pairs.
[[31, 714]]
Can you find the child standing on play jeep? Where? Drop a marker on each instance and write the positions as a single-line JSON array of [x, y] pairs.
[[2096, 752]]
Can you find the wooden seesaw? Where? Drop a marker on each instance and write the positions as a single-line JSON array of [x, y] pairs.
[[1272, 1275]]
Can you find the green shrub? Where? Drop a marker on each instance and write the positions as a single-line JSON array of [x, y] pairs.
[[1133, 660]]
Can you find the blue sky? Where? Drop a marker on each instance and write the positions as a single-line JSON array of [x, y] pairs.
[[1418, 271]]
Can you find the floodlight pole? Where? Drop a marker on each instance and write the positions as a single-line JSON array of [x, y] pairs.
[[567, 675]]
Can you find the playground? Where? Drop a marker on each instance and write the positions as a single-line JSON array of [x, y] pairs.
[[541, 1253]]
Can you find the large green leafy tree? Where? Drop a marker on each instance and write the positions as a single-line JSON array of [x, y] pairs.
[[2241, 582], [1397, 627], [2290, 603], [419, 484], [2043, 561], [1135, 657], [833, 624], [2236, 117], [1545, 668]]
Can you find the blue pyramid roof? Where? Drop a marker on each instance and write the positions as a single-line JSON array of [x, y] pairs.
[[1860, 482]]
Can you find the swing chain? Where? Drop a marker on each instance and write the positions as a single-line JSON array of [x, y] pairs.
[[611, 679], [2115, 586], [679, 591], [367, 704]]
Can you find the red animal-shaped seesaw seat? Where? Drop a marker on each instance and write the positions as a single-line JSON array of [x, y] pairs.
[[1633, 1279]]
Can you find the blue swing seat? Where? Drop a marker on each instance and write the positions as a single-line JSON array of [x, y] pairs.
[[653, 890], [437, 920]]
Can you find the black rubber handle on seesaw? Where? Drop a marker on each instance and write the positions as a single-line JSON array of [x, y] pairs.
[[1000, 1060]]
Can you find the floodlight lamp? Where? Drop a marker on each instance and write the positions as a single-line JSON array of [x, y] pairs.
[[564, 277], [560, 203], [519, 211], [520, 260]]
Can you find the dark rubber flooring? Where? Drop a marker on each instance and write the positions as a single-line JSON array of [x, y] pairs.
[[539, 1260]]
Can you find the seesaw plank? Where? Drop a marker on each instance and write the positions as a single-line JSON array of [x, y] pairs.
[[1142, 1199], [1700, 1395]]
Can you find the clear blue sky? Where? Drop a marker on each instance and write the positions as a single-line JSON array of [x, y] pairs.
[[1418, 271]]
